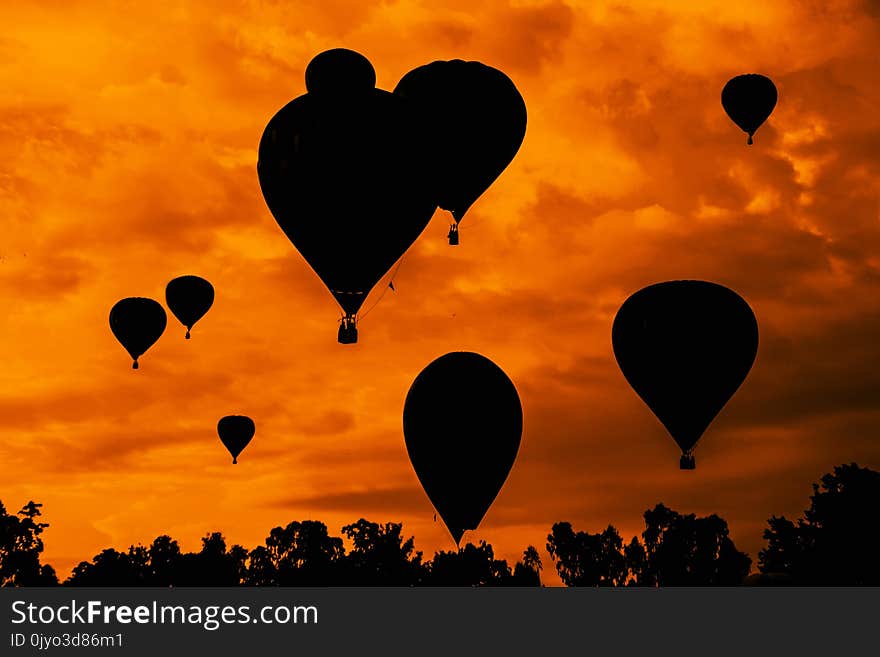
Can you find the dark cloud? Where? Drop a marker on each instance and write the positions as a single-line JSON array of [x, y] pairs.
[[449, 33], [329, 423], [403, 500], [43, 277], [529, 38], [819, 372]]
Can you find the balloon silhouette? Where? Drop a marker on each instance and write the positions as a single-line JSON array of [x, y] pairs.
[[685, 347], [189, 298], [235, 433], [462, 423], [340, 72], [472, 123], [338, 170], [137, 323], [749, 100]]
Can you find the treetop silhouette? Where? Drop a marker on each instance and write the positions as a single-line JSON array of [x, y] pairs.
[[835, 542], [832, 545]]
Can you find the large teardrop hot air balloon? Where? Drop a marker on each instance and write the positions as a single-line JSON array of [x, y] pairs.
[[473, 121], [685, 347], [235, 433], [189, 298], [462, 422], [339, 169], [749, 100], [137, 323]]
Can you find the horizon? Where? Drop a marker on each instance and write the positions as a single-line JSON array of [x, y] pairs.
[[548, 573]]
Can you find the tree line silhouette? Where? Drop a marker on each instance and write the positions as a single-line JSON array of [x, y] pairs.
[[834, 543]]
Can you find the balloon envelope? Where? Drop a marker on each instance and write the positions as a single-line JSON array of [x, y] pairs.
[[685, 347], [235, 433], [189, 298], [339, 170], [749, 100], [137, 323], [462, 423], [340, 72], [472, 123]]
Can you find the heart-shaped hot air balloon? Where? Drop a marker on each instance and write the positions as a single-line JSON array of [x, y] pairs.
[[339, 168], [235, 432], [462, 423], [685, 347], [749, 100], [189, 298], [137, 323], [472, 122]]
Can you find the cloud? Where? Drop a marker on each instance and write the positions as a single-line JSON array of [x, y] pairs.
[[529, 38], [43, 278], [387, 501]]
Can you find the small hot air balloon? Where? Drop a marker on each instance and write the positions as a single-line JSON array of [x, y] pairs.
[[685, 347], [189, 298], [339, 170], [235, 433], [472, 123], [749, 100], [462, 423], [137, 323]]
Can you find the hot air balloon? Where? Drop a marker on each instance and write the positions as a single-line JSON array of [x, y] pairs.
[[473, 121], [339, 170], [749, 100], [685, 347], [137, 323], [235, 433], [189, 298], [462, 423]]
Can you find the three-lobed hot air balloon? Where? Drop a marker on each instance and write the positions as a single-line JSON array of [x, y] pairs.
[[472, 121], [462, 423], [749, 100], [137, 323], [189, 298], [685, 347], [339, 169], [235, 432]]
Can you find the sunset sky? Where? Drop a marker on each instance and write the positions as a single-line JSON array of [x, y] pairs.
[[128, 149]]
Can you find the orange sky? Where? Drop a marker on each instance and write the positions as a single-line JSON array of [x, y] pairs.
[[128, 137]]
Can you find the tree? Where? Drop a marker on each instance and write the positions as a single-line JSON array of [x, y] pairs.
[[213, 565], [683, 550], [261, 569], [636, 561], [112, 568], [380, 556], [584, 559], [300, 554], [528, 571], [165, 561], [676, 550], [472, 565], [20, 548], [835, 542]]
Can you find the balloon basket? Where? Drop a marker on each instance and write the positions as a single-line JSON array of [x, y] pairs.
[[348, 334]]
